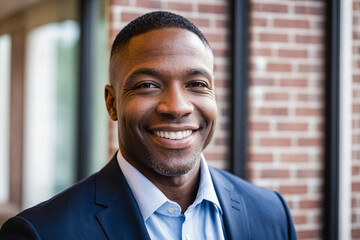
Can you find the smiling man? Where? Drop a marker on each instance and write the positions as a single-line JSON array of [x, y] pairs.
[[158, 185]]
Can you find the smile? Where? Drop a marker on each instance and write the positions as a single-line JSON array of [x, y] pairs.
[[173, 135]]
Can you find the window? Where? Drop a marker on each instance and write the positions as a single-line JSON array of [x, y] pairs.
[[50, 110], [5, 48]]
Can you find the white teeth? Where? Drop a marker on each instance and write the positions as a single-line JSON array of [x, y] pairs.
[[173, 135]]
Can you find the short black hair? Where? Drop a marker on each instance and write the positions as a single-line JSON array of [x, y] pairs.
[[153, 21]]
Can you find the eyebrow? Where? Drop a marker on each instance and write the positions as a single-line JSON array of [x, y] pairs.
[[157, 74], [143, 71], [198, 71]]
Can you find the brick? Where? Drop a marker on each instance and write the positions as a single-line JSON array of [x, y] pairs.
[[354, 202], [215, 156], [356, 108], [356, 35], [355, 187], [180, 6], [354, 218], [356, 155], [275, 173], [293, 53], [224, 126], [308, 234], [273, 111], [149, 4], [320, 54], [356, 139], [259, 126], [222, 141], [220, 23], [299, 219], [295, 157], [294, 82], [215, 37], [279, 67], [356, 5], [207, 8], [255, 81], [309, 10], [313, 68], [293, 189], [276, 96], [309, 39], [260, 157], [311, 142], [127, 17], [292, 126], [308, 173], [291, 23], [356, 93], [222, 84], [356, 78], [221, 53], [275, 142], [261, 22], [355, 233], [274, 8], [273, 37], [356, 50], [355, 171], [310, 204], [311, 97], [260, 52], [121, 2], [200, 22], [309, 112], [319, 24]]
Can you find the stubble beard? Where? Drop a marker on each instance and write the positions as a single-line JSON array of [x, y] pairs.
[[162, 169]]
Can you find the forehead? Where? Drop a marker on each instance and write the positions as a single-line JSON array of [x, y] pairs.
[[165, 41]]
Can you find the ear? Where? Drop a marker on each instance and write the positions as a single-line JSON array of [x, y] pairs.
[[110, 100]]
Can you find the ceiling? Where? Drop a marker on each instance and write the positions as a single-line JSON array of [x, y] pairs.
[[10, 7]]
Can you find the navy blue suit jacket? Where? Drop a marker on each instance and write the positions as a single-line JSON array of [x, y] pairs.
[[102, 207]]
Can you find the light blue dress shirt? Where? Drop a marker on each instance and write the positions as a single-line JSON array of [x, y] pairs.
[[163, 218]]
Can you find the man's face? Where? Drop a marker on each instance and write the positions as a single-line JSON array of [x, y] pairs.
[[165, 101]]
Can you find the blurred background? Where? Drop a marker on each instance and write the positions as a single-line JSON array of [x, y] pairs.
[[287, 76]]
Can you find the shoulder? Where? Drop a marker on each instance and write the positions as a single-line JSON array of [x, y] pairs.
[[252, 194], [240, 185], [66, 210], [267, 211]]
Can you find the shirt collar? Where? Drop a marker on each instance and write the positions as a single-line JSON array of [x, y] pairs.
[[142, 188]]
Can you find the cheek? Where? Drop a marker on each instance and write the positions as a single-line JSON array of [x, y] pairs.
[[133, 112], [209, 110], [210, 113]]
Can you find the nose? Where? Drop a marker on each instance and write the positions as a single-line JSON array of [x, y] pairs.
[[175, 103]]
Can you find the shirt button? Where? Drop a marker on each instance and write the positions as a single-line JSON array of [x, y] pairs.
[[171, 210], [187, 236]]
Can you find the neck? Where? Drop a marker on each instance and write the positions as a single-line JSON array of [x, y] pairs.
[[180, 189]]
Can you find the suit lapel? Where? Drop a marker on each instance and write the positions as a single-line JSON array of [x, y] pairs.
[[121, 218], [235, 217]]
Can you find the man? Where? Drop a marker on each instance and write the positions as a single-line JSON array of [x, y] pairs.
[[158, 186]]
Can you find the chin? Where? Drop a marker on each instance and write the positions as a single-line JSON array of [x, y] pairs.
[[170, 172], [173, 167], [174, 163]]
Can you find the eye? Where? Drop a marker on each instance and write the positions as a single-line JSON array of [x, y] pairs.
[[197, 84], [146, 85]]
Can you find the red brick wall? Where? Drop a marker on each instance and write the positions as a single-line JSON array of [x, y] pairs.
[[286, 105], [356, 123], [211, 16]]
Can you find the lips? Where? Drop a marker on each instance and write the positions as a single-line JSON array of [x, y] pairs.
[[173, 135]]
